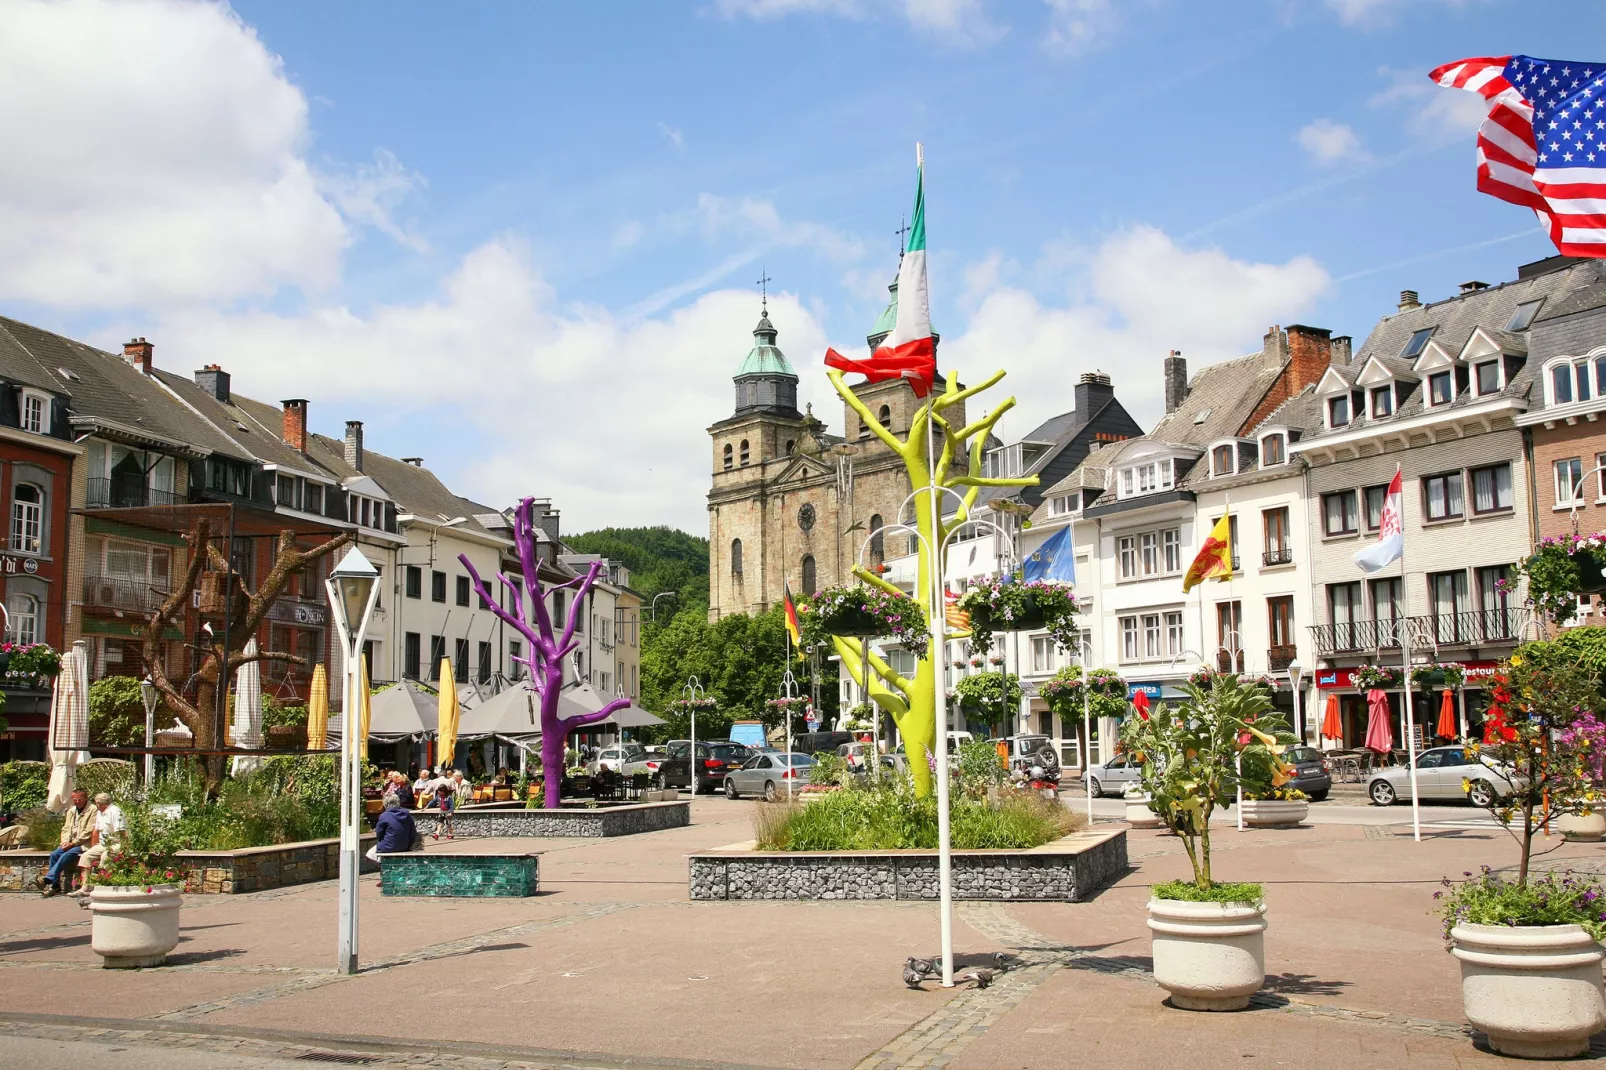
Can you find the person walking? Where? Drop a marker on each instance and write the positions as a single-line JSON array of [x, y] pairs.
[[445, 805], [77, 830]]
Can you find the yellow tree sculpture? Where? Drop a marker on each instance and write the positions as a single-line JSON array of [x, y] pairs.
[[912, 701]]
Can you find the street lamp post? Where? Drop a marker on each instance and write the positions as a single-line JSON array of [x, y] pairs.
[[692, 691], [788, 691], [353, 589], [150, 697], [1296, 674]]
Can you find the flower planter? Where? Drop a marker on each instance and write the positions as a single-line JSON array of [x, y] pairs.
[[1138, 814], [1534, 989], [852, 621], [5, 660], [1209, 956], [1583, 828], [287, 737], [1590, 578], [1275, 813], [134, 926]]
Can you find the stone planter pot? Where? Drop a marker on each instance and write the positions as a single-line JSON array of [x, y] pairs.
[[1138, 814], [1584, 828], [1209, 956], [1534, 989], [1275, 813], [133, 927]]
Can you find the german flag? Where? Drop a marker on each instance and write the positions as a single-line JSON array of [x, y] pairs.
[[791, 618]]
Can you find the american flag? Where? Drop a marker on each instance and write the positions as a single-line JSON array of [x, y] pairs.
[[1543, 144]]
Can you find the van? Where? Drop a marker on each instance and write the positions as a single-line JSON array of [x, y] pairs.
[[820, 742]]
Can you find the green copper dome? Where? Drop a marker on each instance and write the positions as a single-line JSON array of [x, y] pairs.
[[888, 318], [765, 358]]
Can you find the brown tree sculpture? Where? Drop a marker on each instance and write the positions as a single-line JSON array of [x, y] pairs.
[[246, 612]]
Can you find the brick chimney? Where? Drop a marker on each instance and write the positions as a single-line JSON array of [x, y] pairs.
[[138, 352], [1310, 350], [295, 424], [1176, 381], [354, 444], [215, 381], [1093, 390]]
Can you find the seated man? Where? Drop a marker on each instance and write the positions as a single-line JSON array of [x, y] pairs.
[[108, 825], [77, 829], [395, 830]]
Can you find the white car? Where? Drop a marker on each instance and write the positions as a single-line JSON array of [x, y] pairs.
[[1441, 774], [1112, 777], [634, 759]]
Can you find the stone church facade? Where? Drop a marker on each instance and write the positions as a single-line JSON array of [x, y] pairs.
[[792, 503]]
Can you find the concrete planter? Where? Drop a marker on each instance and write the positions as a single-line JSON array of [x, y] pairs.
[[134, 926], [1534, 989], [1209, 956], [1275, 813], [1584, 828], [1138, 814]]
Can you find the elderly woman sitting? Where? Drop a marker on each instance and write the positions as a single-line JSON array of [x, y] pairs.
[[395, 830]]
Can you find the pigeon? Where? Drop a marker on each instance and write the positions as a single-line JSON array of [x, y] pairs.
[[1000, 960], [913, 977], [983, 978], [924, 967]]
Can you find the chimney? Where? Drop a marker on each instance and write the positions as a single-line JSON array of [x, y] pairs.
[[354, 444], [1473, 287], [295, 424], [1176, 381], [1093, 390], [1408, 300], [416, 462], [1310, 350], [137, 352], [546, 518], [215, 381], [1342, 349]]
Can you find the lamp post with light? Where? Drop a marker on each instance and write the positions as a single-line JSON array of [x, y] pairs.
[[150, 697], [353, 589]]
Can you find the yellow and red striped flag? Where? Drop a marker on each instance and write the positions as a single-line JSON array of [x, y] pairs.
[[1214, 557]]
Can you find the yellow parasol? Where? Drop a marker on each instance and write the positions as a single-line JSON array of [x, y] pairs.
[[318, 709], [365, 708], [450, 711]]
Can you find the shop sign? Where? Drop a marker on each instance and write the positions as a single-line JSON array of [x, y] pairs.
[[1344, 679], [307, 614], [1150, 688], [11, 564]]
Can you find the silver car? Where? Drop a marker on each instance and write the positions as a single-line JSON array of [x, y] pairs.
[[1440, 774], [635, 760], [1111, 777], [768, 775]]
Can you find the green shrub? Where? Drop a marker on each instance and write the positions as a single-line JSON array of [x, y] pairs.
[[115, 778], [891, 817], [275, 715], [980, 767], [829, 769], [1549, 899], [1189, 892], [44, 828], [23, 785], [116, 712]]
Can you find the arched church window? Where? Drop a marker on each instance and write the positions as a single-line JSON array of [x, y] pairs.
[[809, 585], [789, 445], [744, 453], [727, 455], [736, 557], [878, 541], [885, 416]]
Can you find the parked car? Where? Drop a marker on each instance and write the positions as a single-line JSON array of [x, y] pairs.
[[1440, 773], [769, 775], [714, 760], [1313, 774], [816, 742], [897, 762], [1112, 777], [1031, 751], [857, 755], [635, 759]]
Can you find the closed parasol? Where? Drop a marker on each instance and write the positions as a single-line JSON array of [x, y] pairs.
[[318, 709], [69, 725], [1140, 702], [1446, 728], [1379, 726], [1332, 726], [365, 709], [247, 711], [449, 712]]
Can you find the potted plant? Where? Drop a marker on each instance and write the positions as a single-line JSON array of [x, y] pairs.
[[1015, 605], [1105, 697], [1377, 678], [1529, 948], [1139, 814], [1446, 675], [1201, 677], [284, 727], [864, 611], [1273, 808], [136, 895], [1559, 570], [35, 665], [1208, 937]]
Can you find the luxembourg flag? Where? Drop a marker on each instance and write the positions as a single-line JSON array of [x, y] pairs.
[[1391, 536], [908, 352]]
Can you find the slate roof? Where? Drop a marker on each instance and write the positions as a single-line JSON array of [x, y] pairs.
[[255, 425], [415, 489]]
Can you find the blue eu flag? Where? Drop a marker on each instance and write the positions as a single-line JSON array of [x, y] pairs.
[[1054, 561]]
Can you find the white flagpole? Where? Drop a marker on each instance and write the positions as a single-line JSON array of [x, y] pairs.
[[1409, 720]]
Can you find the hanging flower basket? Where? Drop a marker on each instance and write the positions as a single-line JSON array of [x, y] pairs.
[[1376, 678], [1562, 568], [1260, 680], [691, 705], [1018, 606], [1203, 677], [1446, 675], [1106, 692], [864, 611], [782, 704]]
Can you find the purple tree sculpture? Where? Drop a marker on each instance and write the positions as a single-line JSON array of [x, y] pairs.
[[528, 615]]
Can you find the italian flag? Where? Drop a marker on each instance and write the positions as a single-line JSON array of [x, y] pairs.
[[908, 352]]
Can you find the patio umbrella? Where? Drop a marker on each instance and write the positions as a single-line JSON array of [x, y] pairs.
[[1447, 719], [448, 715], [247, 711], [1332, 727], [1379, 729], [1140, 702], [69, 724], [318, 709]]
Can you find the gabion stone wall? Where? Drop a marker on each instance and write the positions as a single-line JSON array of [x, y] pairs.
[[604, 820]]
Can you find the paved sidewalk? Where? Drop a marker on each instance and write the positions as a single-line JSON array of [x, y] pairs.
[[613, 966]]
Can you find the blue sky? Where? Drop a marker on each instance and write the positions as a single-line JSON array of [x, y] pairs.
[[522, 239]]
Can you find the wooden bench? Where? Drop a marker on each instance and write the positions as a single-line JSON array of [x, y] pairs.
[[465, 874]]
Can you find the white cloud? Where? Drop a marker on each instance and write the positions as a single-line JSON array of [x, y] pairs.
[[1432, 112], [1075, 26], [756, 220], [1147, 296], [627, 234], [1372, 14], [775, 9], [372, 192], [673, 135], [1328, 142]]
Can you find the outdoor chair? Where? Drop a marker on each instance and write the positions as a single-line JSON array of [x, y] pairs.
[[13, 837]]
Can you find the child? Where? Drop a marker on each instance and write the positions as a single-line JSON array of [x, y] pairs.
[[445, 802]]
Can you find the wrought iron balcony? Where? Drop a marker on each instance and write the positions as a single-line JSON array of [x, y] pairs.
[[1279, 658], [126, 494], [1476, 627], [1278, 557], [122, 593]]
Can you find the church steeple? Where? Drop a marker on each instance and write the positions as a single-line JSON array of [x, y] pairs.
[[766, 383]]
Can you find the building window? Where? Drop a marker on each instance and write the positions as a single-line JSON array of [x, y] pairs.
[[1488, 376], [1126, 482], [462, 590], [1524, 315], [411, 655], [1338, 411], [25, 623], [884, 417], [1171, 549], [414, 581], [736, 557], [1448, 590], [1221, 461], [460, 660], [1129, 639], [1280, 620], [559, 620], [1043, 655], [515, 667], [1417, 342], [437, 586], [1274, 522], [1344, 610], [1151, 635], [1230, 630], [1386, 600], [27, 519], [1146, 478], [744, 453], [1173, 633], [1383, 401], [35, 413], [728, 452], [1491, 488], [437, 654], [1493, 603], [1061, 505], [1338, 513], [809, 586], [484, 674], [1126, 552], [1441, 388], [878, 541], [1569, 481], [1443, 496], [1272, 451], [1149, 552]]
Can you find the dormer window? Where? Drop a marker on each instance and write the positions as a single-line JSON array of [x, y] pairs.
[[1146, 478], [1577, 380], [1382, 401], [35, 414], [1524, 315], [1441, 388], [1488, 377], [1063, 504], [1273, 450], [1222, 460], [1416, 342], [1338, 411]]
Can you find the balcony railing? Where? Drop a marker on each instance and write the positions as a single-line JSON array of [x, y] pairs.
[[1472, 628], [1225, 660], [1279, 658], [122, 593], [1277, 557], [126, 494]]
